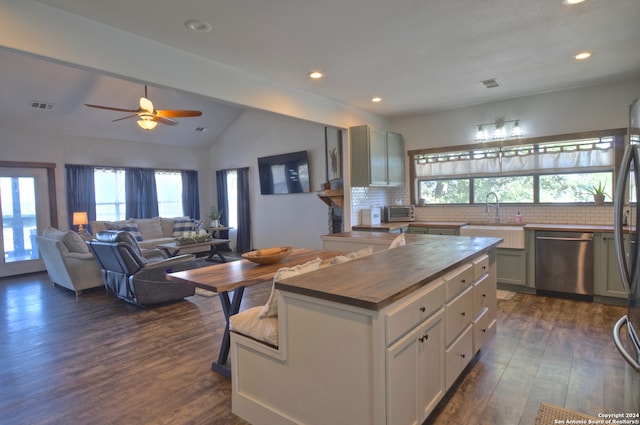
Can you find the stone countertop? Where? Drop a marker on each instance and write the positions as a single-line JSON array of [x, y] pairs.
[[559, 227], [596, 228], [375, 281]]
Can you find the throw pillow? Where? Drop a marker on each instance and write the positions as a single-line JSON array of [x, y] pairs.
[[127, 226], [363, 252], [270, 309], [74, 242], [181, 225], [150, 228], [53, 233], [398, 241]]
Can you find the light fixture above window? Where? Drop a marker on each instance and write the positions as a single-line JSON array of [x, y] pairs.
[[500, 130]]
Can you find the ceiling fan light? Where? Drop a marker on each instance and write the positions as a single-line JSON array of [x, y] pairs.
[[147, 124]]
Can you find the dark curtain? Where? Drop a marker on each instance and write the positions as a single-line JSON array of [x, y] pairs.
[[190, 194], [81, 192], [243, 243], [141, 196]]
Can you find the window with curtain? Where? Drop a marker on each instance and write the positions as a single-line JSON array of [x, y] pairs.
[[169, 188], [172, 193], [550, 172], [110, 194]]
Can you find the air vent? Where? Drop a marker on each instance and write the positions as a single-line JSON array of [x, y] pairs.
[[491, 83], [36, 104]]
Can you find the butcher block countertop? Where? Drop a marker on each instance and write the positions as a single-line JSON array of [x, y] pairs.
[[389, 227], [596, 228], [375, 281]]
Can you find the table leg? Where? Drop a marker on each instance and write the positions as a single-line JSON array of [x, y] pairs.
[[229, 308], [215, 251]]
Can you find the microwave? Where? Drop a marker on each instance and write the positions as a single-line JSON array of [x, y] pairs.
[[399, 213]]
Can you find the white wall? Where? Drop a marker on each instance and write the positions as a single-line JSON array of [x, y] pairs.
[[31, 146], [582, 109], [298, 220]]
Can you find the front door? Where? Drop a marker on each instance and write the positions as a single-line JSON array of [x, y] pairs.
[[24, 213]]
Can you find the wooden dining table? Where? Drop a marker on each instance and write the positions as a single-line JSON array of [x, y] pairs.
[[234, 277]]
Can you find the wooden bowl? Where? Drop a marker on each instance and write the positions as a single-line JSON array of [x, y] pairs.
[[268, 255]]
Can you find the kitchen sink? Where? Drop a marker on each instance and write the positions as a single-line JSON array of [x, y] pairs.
[[513, 235]]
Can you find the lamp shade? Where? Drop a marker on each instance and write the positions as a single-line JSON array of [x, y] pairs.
[[80, 218]]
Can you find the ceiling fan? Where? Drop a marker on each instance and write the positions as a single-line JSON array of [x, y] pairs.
[[150, 117]]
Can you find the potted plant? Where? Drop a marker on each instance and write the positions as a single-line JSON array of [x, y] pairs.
[[598, 193], [214, 215]]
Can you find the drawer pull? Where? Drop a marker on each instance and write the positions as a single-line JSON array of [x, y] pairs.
[[424, 337], [463, 314], [484, 295], [423, 309], [464, 281], [483, 330], [484, 267], [463, 355]]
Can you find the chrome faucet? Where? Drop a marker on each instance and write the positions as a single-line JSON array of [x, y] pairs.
[[495, 205]]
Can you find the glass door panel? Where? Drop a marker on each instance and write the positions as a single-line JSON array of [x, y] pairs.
[[24, 212]]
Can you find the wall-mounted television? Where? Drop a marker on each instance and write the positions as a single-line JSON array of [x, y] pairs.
[[285, 173]]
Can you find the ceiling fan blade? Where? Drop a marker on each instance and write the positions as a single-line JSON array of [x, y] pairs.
[[165, 120], [109, 108], [146, 105], [178, 113], [124, 118]]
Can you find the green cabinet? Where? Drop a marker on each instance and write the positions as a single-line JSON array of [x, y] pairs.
[[425, 230], [512, 266], [377, 157], [607, 281]]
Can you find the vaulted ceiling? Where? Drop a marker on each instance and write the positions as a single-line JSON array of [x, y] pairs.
[[418, 55]]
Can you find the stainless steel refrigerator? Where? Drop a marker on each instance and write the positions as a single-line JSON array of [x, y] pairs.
[[626, 332]]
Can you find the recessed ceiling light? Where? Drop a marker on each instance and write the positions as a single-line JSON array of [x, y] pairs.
[[197, 25], [571, 1], [582, 56], [316, 75], [376, 99]]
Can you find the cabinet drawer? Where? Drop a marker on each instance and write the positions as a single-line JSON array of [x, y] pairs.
[[480, 266], [484, 327], [459, 315], [458, 356], [484, 294], [401, 318], [458, 280]]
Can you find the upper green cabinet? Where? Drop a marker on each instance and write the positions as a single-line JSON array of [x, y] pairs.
[[377, 157]]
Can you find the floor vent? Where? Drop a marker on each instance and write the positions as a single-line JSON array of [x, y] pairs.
[[36, 104]]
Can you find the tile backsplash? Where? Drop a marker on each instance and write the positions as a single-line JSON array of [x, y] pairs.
[[366, 197]]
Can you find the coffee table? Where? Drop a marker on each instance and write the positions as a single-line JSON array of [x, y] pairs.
[[235, 276], [173, 248]]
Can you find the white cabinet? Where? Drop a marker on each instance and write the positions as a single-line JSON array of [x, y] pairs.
[[377, 157], [415, 370]]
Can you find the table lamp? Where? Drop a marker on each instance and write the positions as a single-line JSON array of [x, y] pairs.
[[80, 219]]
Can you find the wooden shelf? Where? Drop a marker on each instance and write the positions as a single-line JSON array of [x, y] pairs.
[[332, 197]]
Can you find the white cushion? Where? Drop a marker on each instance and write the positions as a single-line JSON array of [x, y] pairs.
[[270, 309], [398, 241], [53, 233], [249, 323], [363, 252], [74, 242]]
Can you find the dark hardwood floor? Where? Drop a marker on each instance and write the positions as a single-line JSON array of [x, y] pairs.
[[98, 360]]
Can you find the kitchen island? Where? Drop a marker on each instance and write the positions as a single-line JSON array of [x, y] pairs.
[[377, 340]]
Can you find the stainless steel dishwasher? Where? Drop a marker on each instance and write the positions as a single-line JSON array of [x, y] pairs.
[[564, 262]]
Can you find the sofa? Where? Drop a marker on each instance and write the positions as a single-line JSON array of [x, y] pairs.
[[68, 260], [151, 232], [131, 277]]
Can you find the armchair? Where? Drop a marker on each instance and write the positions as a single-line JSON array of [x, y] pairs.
[[128, 275]]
